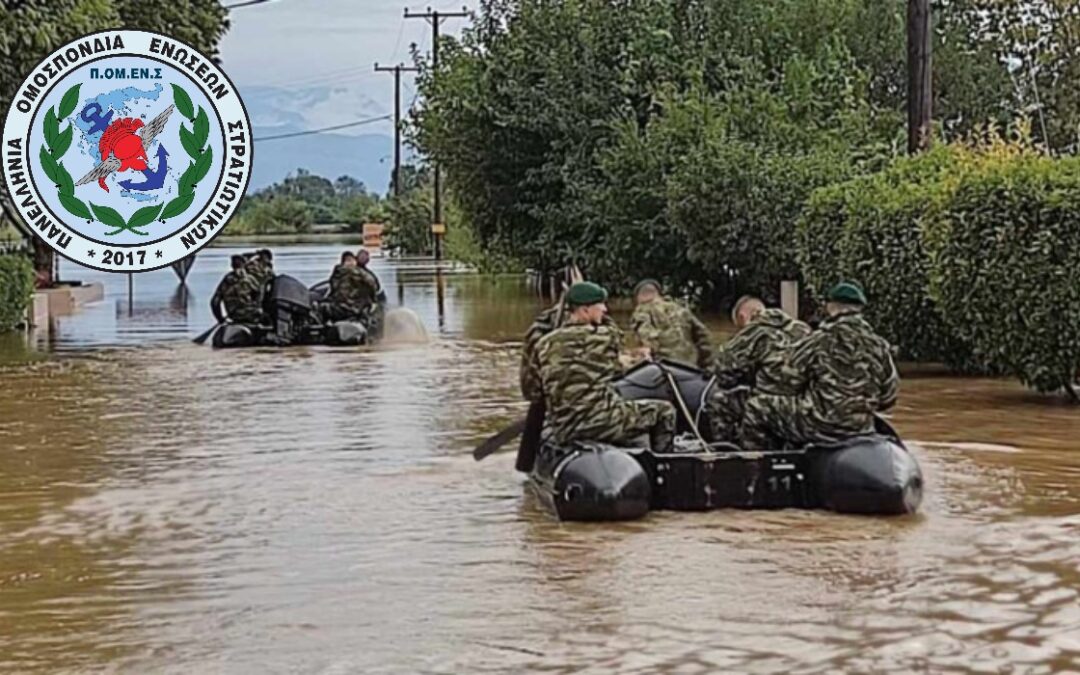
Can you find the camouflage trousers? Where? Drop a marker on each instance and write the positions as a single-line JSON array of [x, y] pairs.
[[725, 409], [249, 314], [623, 423], [772, 422]]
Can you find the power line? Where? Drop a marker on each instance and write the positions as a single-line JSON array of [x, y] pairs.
[[245, 3], [321, 130]]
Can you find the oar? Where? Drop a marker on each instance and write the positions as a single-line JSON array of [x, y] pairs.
[[202, 338], [492, 445], [533, 421]]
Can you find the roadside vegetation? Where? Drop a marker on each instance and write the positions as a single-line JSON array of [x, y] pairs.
[[723, 146]]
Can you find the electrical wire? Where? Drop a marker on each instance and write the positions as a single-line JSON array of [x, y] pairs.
[[323, 130]]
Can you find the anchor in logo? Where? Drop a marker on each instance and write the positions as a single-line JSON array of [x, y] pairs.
[[99, 122], [154, 179]]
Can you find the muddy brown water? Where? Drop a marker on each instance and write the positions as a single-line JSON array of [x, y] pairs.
[[169, 508]]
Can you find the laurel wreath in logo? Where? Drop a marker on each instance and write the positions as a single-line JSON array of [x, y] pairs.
[[194, 141]]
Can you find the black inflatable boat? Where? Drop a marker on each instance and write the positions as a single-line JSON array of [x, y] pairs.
[[873, 474], [292, 317]]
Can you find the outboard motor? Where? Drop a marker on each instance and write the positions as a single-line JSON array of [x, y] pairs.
[[289, 307]]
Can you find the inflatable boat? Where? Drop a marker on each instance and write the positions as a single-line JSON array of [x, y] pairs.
[[292, 317], [872, 474]]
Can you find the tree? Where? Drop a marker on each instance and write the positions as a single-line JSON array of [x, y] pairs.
[[31, 29]]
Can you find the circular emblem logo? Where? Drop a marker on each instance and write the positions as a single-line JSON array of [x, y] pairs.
[[126, 151]]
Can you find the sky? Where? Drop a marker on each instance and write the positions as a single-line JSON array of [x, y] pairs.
[[303, 64]]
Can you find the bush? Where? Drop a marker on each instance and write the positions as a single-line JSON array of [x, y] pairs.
[[1005, 251], [870, 230], [737, 205], [16, 289]]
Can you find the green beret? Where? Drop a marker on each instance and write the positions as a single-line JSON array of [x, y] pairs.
[[641, 285], [847, 292], [585, 293]]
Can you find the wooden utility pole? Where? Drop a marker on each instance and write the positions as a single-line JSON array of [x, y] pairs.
[[397, 71], [920, 101], [438, 227]]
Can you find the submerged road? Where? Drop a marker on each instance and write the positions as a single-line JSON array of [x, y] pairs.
[[169, 508]]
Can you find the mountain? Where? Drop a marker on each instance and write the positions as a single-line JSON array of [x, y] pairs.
[[364, 152], [368, 158]]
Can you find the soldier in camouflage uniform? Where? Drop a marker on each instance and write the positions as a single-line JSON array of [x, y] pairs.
[[378, 311], [548, 320], [751, 361], [667, 329], [351, 292], [238, 293], [261, 267], [844, 373], [577, 364]]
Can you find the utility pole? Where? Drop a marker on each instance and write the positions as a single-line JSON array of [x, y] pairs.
[[438, 227], [920, 103], [397, 71]]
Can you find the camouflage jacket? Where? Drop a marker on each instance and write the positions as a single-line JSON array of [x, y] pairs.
[[754, 356], [548, 320], [259, 270], [671, 331], [351, 288], [846, 372], [239, 292], [577, 364]]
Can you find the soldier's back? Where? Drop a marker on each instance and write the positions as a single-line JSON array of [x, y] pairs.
[[577, 364], [852, 373], [666, 328]]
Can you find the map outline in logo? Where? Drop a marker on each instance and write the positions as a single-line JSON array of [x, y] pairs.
[[118, 177]]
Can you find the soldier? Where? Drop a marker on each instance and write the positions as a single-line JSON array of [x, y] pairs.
[[577, 364], [750, 362], [667, 329], [548, 320], [261, 267], [238, 293], [351, 291], [752, 356], [362, 259], [843, 373], [378, 312]]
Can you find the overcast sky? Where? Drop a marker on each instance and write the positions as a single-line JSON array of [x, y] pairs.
[[299, 45]]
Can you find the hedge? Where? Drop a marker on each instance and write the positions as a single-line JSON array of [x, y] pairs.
[[1005, 254], [16, 289], [737, 206], [870, 230]]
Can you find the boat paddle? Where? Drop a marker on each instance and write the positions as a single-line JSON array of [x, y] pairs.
[[202, 338], [533, 422], [492, 445]]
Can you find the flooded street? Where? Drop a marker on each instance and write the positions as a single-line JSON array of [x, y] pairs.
[[166, 507]]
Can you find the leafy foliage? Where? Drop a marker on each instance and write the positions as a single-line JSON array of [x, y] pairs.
[[622, 137], [870, 230], [296, 203], [1006, 264], [16, 288]]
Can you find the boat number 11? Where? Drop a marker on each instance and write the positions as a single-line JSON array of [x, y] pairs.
[[776, 483]]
